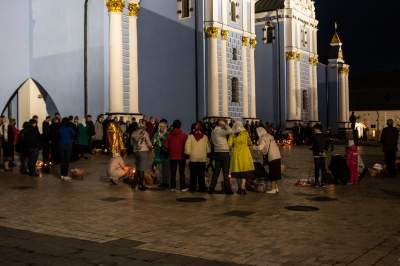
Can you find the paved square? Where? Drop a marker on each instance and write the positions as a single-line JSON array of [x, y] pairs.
[[90, 222]]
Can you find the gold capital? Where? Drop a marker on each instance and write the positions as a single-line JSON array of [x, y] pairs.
[[133, 9], [245, 40], [116, 6], [211, 32], [291, 55], [313, 60], [224, 34], [344, 70], [253, 43]]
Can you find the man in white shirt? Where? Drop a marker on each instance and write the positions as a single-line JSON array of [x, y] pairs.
[[221, 156]]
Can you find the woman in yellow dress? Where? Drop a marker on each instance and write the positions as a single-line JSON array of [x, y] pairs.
[[242, 166]]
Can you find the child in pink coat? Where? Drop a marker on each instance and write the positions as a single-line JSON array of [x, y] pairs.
[[352, 161]]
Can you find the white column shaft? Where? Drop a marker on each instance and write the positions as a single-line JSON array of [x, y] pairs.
[[116, 91], [299, 102], [312, 100], [245, 83], [212, 77], [133, 66], [225, 110], [253, 84], [315, 93], [347, 97], [342, 102], [292, 90]]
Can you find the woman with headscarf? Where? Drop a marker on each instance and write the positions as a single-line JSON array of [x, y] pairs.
[[142, 147], [82, 139], [161, 158], [197, 147], [242, 166], [269, 148]]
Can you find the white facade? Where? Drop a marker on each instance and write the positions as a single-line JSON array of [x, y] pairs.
[[298, 27], [230, 32]]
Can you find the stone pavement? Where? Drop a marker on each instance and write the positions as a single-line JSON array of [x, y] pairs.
[[44, 221]]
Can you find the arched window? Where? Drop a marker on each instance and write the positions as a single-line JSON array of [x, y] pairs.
[[234, 54], [269, 32], [235, 90], [185, 8], [233, 10], [305, 100]]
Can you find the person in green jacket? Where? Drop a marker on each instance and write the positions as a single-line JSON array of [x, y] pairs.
[[82, 139], [242, 166]]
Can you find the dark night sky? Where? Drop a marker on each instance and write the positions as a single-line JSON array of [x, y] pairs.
[[369, 30]]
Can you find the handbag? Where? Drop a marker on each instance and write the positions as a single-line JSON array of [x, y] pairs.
[[265, 157]]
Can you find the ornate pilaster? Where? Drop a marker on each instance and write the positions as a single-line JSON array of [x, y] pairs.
[[253, 113], [299, 93], [343, 97], [224, 65], [313, 60], [115, 8], [133, 8], [212, 38], [245, 90], [291, 109]]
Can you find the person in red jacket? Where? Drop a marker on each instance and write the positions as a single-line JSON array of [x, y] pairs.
[[175, 145], [352, 161]]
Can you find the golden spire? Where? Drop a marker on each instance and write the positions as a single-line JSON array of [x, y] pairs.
[[335, 39]]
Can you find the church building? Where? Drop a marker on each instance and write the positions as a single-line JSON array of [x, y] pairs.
[[186, 59]]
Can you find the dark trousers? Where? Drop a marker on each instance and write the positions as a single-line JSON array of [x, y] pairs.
[[65, 156], [46, 151], [33, 154], [222, 161], [55, 153], [320, 168], [197, 175], [174, 164], [390, 161]]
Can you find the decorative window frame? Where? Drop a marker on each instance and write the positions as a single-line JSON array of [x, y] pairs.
[[180, 9], [304, 36], [234, 54], [266, 30], [237, 17], [235, 90]]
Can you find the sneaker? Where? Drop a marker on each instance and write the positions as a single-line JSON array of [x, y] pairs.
[[272, 191], [66, 178], [172, 190], [184, 190]]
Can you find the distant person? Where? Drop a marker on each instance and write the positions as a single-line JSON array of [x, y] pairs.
[[175, 145], [118, 169], [46, 139], [7, 133], [241, 166], [389, 140], [221, 156], [269, 148], [142, 149], [319, 147], [161, 157], [352, 161], [98, 133], [54, 138], [197, 147], [32, 143], [2, 132], [82, 139], [65, 141], [91, 131]]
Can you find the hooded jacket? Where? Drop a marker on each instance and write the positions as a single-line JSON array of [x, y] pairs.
[[267, 145]]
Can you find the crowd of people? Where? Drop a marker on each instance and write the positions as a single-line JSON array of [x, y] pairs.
[[242, 152], [154, 144]]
